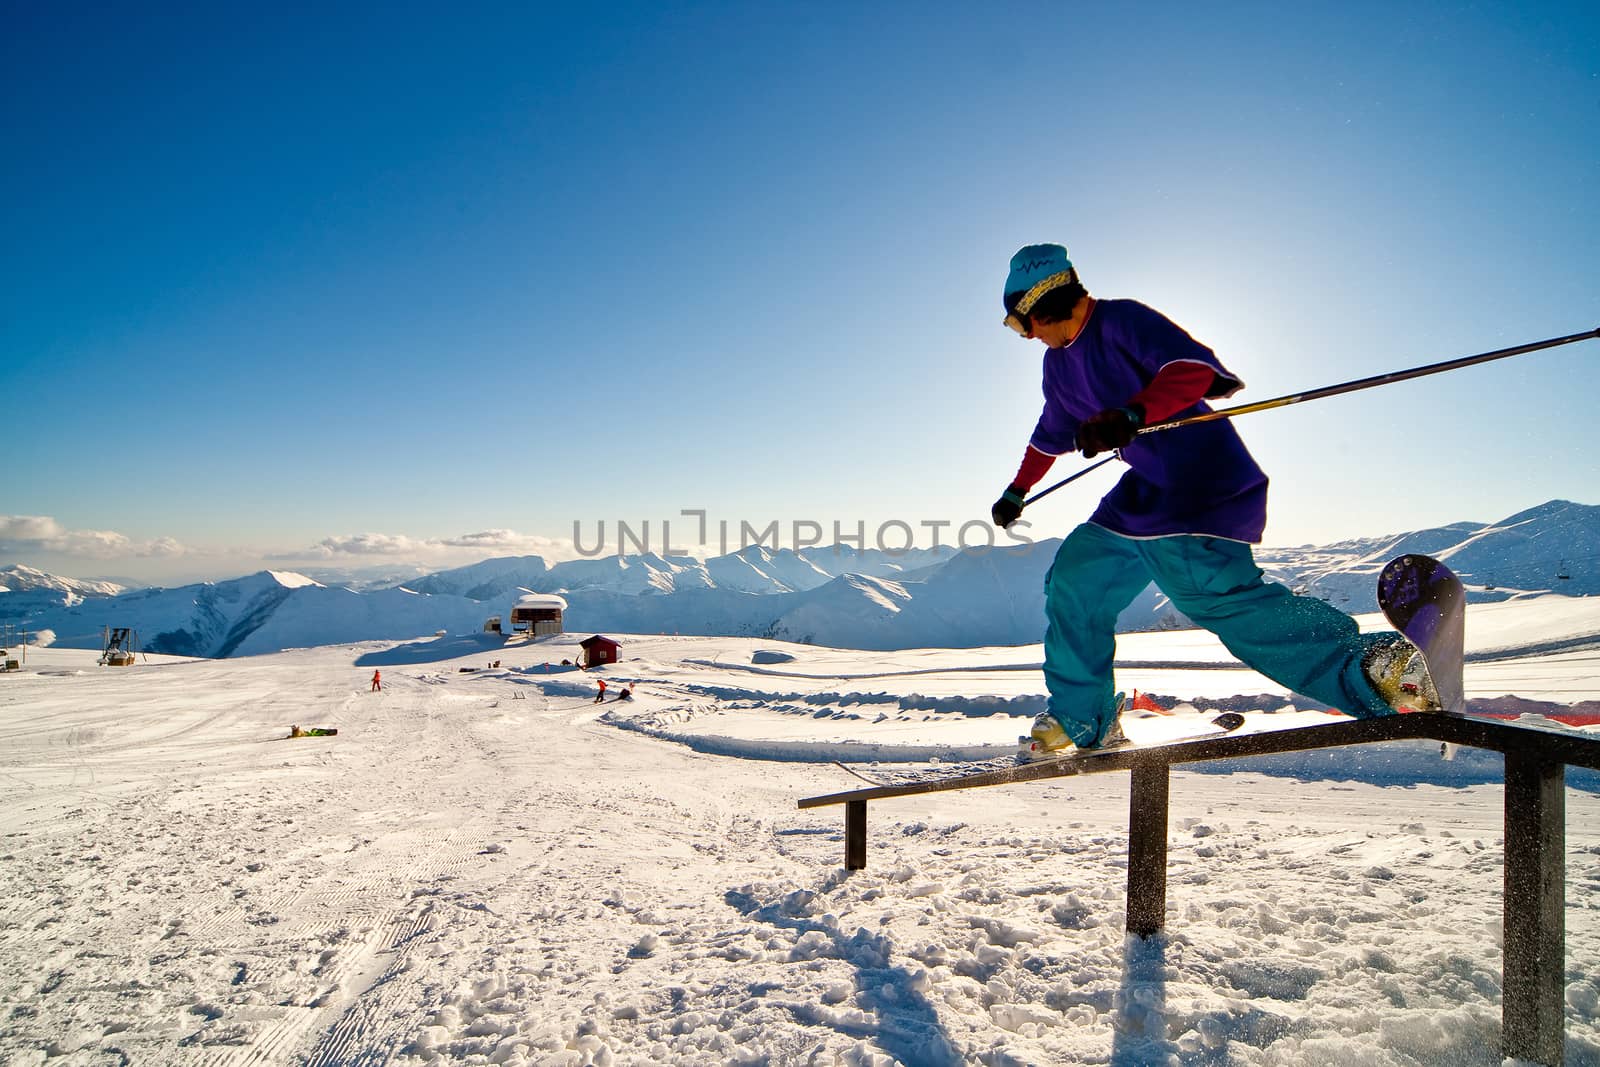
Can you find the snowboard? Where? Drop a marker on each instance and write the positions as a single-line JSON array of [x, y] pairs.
[[1225, 723], [1424, 600]]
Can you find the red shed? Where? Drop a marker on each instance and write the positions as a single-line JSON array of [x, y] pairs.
[[598, 650]]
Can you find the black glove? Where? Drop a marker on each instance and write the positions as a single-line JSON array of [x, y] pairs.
[[1008, 509], [1111, 429]]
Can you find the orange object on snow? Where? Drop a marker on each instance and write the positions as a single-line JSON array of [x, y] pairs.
[[1143, 702], [377, 681]]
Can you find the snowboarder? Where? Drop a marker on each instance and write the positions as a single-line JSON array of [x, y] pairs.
[[600, 696], [1184, 516], [377, 681]]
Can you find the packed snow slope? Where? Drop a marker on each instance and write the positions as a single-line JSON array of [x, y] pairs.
[[839, 595], [484, 866]]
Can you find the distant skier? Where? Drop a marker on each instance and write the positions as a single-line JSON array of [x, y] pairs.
[[625, 694], [600, 696], [377, 681], [1184, 516]]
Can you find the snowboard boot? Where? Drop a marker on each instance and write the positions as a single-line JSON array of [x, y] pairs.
[[1047, 739], [1114, 736], [1400, 675]]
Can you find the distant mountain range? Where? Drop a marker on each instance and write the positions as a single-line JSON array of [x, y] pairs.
[[756, 569], [19, 579], [830, 596]]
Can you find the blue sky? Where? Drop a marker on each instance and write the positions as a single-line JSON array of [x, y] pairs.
[[359, 285]]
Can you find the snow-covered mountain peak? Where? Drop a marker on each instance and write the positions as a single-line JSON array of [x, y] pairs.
[[1553, 512], [886, 594], [293, 580], [20, 578]]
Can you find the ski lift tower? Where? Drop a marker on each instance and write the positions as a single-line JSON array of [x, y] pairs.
[[12, 636], [120, 643], [538, 614]]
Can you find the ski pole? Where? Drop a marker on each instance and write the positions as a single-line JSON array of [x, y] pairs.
[[1368, 383], [1069, 480], [1335, 390]]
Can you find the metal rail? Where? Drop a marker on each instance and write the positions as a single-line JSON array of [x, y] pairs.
[[1533, 902]]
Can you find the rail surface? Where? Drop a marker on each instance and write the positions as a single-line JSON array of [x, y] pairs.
[[1534, 897]]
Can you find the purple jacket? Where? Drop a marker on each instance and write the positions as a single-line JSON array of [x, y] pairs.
[[1194, 480]]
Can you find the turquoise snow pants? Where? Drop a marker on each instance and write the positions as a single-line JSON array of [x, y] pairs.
[[1299, 642]]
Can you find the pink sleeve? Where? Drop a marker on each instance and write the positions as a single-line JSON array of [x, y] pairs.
[[1035, 465], [1176, 386]]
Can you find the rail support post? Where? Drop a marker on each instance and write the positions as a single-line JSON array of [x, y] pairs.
[[855, 835], [1533, 997], [1147, 847]]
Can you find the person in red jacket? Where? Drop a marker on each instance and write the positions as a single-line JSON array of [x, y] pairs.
[[600, 696], [377, 681]]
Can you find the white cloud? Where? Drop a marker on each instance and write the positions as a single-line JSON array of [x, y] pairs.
[[167, 547], [367, 544], [508, 541], [42, 541], [15, 528], [471, 546], [41, 533]]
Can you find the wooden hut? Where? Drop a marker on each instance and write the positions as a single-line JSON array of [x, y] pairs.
[[598, 650]]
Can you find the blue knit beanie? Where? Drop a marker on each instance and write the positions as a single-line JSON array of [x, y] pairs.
[[1035, 270]]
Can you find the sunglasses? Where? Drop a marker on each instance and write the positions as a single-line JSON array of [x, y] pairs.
[[1018, 319]]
